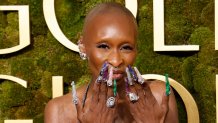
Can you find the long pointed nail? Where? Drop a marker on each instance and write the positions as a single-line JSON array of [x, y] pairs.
[[167, 85], [115, 88], [141, 80], [101, 74], [127, 86], [135, 78], [105, 73], [110, 78], [75, 98], [129, 77]]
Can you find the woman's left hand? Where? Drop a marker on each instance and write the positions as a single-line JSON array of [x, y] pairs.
[[147, 109]]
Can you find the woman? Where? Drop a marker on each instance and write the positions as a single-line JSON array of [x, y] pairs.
[[109, 40]]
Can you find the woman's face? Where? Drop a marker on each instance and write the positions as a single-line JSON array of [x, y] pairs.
[[111, 38]]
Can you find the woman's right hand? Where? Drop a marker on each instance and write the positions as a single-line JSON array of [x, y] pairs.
[[95, 109]]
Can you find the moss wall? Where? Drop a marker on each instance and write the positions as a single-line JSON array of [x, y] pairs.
[[186, 22]]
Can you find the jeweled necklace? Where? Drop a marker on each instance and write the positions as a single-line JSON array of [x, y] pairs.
[[85, 95]]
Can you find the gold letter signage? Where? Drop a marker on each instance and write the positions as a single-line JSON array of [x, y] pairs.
[[14, 79], [24, 28], [24, 40], [24, 84], [51, 21], [216, 25], [158, 21]]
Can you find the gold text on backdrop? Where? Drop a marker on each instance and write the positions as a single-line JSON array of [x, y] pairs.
[[49, 15], [24, 27]]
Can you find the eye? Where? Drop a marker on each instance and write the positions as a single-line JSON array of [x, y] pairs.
[[103, 46], [127, 47]]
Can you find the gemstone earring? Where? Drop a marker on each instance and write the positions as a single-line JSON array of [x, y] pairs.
[[82, 56]]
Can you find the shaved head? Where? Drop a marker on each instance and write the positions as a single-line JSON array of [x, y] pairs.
[[110, 8], [109, 34]]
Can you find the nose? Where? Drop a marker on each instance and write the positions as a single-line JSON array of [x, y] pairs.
[[115, 58]]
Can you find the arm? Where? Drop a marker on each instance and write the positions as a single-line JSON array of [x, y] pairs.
[[51, 112], [172, 115], [158, 88]]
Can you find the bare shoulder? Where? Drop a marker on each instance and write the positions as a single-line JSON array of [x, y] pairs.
[[158, 89], [56, 109], [61, 109]]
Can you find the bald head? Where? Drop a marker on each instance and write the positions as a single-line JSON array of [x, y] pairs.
[[108, 8], [109, 34]]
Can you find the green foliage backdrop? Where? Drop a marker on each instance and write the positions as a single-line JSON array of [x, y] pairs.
[[186, 22]]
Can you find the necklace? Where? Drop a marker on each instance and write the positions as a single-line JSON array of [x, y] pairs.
[[85, 95]]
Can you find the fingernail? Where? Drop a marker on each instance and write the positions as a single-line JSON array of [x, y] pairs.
[[109, 81], [105, 73], [75, 98], [167, 85], [115, 88], [127, 85], [141, 80], [135, 78], [101, 73], [129, 79]]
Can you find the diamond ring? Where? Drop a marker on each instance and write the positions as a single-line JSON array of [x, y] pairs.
[[110, 102]]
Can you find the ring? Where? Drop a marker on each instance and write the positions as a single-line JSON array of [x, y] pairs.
[[75, 100], [110, 102], [133, 97]]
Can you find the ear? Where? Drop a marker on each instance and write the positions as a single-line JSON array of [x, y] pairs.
[[81, 45]]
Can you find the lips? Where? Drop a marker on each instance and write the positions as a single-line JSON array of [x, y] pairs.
[[117, 75]]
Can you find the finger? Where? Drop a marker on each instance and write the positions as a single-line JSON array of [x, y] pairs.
[[147, 90], [133, 95], [103, 93], [75, 98], [139, 90], [111, 98], [148, 94], [110, 92], [133, 89], [95, 90], [110, 83], [140, 93]]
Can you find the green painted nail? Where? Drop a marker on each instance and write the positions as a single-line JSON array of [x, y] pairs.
[[167, 85], [115, 87]]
